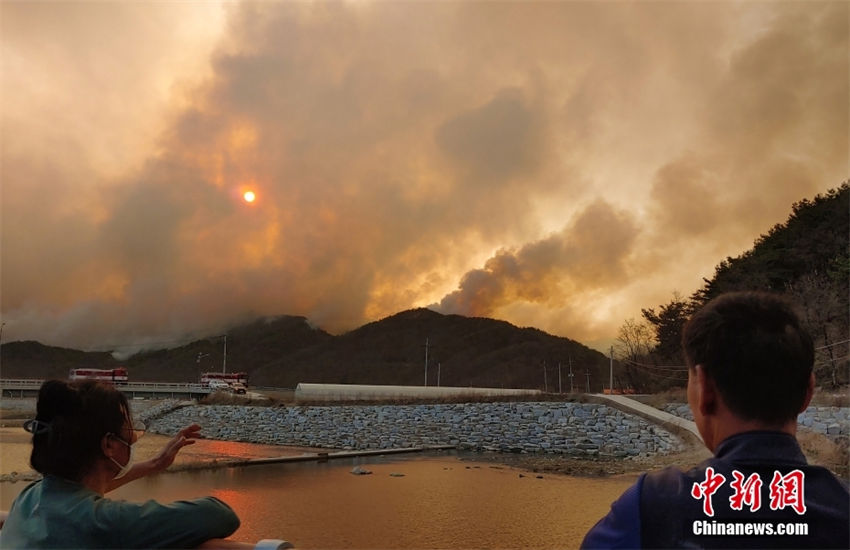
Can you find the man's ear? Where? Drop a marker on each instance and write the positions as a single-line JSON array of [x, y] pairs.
[[810, 391], [706, 392]]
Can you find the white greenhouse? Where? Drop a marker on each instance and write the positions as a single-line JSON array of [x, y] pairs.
[[362, 392]]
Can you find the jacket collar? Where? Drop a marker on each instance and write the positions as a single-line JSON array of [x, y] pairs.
[[761, 446]]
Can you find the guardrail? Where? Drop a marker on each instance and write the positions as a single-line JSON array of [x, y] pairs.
[[132, 388]]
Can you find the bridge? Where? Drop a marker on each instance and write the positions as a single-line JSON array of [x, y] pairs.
[[28, 387]]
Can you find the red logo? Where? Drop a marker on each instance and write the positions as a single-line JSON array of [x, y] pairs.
[[707, 488], [746, 492], [787, 491]]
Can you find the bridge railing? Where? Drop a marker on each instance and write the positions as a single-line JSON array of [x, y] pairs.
[[162, 387]]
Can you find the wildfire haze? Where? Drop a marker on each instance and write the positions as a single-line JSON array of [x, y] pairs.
[[553, 164]]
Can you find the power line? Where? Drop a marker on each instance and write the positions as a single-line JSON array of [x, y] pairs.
[[666, 373], [666, 376], [676, 368], [831, 360], [832, 345]]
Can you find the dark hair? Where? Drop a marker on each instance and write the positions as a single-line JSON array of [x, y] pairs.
[[754, 348], [78, 415]]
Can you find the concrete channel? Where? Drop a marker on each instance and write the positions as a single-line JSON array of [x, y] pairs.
[[626, 404], [324, 457]]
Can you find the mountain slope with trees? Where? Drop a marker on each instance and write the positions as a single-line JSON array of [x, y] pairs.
[[806, 258], [283, 351]]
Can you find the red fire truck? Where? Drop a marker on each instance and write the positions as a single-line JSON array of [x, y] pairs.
[[112, 376]]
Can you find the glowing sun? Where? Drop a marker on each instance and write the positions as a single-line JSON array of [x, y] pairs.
[[249, 196]]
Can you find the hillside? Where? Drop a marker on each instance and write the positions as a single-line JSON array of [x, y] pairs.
[[806, 258], [29, 359], [283, 351], [812, 242], [259, 343]]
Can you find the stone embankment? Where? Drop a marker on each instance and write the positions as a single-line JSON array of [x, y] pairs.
[[578, 429], [832, 422]]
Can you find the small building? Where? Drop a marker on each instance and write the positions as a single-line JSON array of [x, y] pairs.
[[363, 392]]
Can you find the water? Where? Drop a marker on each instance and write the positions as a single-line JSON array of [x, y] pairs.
[[440, 502]]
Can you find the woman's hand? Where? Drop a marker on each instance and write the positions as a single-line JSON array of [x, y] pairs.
[[166, 456], [160, 462]]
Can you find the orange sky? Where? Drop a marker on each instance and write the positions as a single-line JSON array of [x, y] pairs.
[[555, 164]]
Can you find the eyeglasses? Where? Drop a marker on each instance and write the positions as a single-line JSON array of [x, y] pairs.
[[137, 430]]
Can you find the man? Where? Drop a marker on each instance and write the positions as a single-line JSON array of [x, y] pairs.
[[749, 376]]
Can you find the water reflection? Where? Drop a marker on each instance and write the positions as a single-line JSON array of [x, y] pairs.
[[439, 502]]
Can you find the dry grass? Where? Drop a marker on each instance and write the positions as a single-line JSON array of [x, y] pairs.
[[673, 395], [283, 396], [831, 398], [7, 415], [822, 451], [225, 398]]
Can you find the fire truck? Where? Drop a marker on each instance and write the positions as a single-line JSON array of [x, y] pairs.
[[113, 376]]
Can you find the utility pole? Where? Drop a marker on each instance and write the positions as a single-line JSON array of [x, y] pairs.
[[611, 380], [545, 382], [439, 366], [587, 374], [426, 361], [224, 361], [571, 374], [559, 378]]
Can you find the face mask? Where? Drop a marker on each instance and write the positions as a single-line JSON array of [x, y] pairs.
[[125, 468]]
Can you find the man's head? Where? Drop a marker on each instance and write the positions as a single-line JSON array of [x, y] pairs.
[[751, 349]]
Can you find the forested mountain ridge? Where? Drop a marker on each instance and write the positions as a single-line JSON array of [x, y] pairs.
[[286, 350], [806, 258], [814, 240]]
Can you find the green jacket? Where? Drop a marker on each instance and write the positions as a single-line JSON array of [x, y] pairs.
[[57, 513]]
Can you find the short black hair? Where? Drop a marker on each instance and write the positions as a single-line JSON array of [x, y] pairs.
[[78, 415], [754, 347]]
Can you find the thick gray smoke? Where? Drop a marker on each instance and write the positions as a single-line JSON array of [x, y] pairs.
[[555, 164]]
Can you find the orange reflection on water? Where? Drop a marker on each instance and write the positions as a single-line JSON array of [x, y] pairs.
[[236, 449], [238, 500], [225, 448]]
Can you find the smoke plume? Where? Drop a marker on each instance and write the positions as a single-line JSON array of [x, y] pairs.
[[554, 164]]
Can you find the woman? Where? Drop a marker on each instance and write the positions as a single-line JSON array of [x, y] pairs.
[[83, 437]]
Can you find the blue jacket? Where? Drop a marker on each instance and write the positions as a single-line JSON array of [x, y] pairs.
[[667, 509]]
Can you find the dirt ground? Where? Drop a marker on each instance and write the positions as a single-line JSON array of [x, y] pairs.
[[818, 449], [692, 455]]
